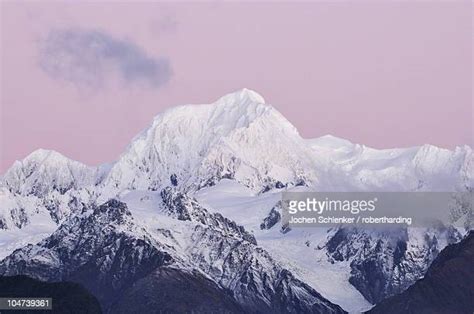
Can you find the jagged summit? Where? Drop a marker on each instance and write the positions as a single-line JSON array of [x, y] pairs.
[[45, 170], [243, 95], [43, 158], [238, 136], [42, 155], [189, 198], [241, 137]]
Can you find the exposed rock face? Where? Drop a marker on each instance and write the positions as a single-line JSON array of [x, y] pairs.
[[273, 217], [256, 280], [239, 138], [447, 287], [183, 207], [228, 254], [108, 252], [44, 171], [233, 138], [103, 250], [384, 263]]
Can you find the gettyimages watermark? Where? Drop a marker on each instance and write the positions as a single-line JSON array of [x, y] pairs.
[[376, 209]]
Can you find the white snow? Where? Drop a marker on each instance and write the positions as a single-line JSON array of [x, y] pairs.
[[240, 204], [11, 239], [239, 137]]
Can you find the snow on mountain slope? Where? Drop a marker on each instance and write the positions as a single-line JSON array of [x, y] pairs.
[[292, 249], [447, 287], [235, 157], [238, 137], [238, 202], [426, 168], [348, 266], [45, 171], [386, 262], [22, 221], [12, 212], [45, 183], [242, 138]]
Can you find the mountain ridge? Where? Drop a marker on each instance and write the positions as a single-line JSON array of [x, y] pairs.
[[225, 119], [168, 169]]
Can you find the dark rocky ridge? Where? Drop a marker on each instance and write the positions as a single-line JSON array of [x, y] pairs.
[[257, 282], [448, 286], [183, 207], [104, 251], [111, 255], [381, 263]]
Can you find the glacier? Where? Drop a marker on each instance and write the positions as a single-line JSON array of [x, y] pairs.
[[224, 165]]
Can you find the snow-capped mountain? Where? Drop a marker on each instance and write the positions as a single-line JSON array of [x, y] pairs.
[[425, 168], [197, 197], [107, 251], [447, 287], [45, 171], [237, 137], [240, 137], [385, 263], [45, 183]]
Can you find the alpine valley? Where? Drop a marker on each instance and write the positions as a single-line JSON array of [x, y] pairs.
[[188, 219]]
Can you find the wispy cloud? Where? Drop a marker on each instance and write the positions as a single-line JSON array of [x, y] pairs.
[[90, 58]]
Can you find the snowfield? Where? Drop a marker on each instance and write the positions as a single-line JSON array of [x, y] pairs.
[[203, 178], [244, 207]]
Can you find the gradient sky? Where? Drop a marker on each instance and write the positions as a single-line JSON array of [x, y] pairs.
[[84, 78]]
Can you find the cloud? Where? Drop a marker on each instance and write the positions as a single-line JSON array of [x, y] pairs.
[[90, 58]]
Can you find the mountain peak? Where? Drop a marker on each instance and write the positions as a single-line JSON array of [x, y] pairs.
[[233, 137], [46, 170], [243, 95], [42, 154], [232, 110]]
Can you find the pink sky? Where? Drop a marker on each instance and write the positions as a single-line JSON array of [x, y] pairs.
[[385, 74]]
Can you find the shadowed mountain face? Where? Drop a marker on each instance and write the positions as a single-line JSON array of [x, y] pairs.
[[190, 213], [129, 271], [67, 297], [384, 263], [448, 286]]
